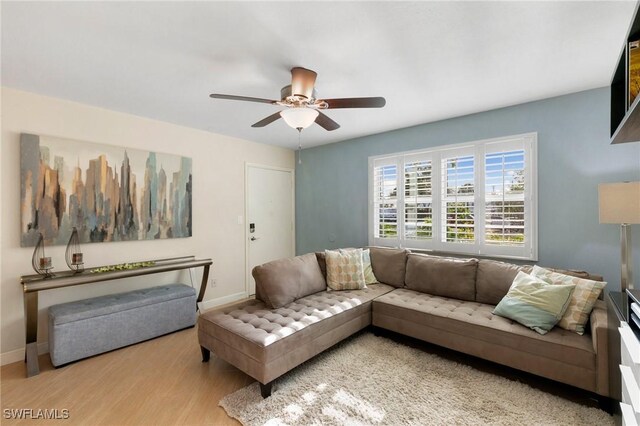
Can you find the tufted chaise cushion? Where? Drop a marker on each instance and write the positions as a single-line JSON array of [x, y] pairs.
[[266, 335], [472, 320]]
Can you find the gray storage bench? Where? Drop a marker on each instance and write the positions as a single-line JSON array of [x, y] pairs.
[[92, 326]]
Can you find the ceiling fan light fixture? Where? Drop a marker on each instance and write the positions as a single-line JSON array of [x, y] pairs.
[[299, 118]]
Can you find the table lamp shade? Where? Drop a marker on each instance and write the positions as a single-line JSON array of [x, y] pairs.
[[619, 202]]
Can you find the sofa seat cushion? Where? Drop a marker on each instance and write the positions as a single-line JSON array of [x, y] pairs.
[[475, 320], [266, 334]]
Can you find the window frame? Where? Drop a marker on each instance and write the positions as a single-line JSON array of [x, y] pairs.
[[479, 150]]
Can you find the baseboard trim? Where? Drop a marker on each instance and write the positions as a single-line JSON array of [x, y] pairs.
[[18, 354], [219, 301]]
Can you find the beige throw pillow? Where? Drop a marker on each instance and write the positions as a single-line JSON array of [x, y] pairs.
[[369, 277], [582, 300], [345, 270]]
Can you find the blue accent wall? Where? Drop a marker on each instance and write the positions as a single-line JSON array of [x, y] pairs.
[[574, 156]]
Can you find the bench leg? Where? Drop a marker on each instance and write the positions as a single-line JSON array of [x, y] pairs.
[[206, 354], [265, 390]]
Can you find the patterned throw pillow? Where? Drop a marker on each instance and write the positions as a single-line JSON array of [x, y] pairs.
[[345, 270], [534, 303], [581, 304], [369, 277]]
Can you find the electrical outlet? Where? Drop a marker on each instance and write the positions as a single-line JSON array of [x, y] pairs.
[[213, 282]]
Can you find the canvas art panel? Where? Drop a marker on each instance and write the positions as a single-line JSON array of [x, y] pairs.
[[108, 193]]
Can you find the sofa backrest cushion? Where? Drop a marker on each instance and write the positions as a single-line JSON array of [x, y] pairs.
[[494, 280], [282, 281], [322, 262], [442, 276], [389, 264]]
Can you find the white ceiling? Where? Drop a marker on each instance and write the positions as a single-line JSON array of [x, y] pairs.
[[430, 60]]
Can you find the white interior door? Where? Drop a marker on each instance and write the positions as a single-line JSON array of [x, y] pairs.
[[270, 217]]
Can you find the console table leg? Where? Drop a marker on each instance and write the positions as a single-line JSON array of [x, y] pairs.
[[31, 321], [203, 284]]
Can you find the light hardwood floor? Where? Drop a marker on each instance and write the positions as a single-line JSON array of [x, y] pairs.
[[158, 382], [164, 382]]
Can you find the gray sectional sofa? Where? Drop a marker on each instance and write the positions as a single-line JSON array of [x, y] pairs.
[[444, 301]]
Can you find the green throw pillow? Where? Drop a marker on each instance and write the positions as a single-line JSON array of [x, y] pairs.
[[534, 303], [369, 277]]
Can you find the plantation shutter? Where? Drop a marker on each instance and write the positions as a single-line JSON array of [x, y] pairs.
[[418, 200], [458, 196], [507, 197], [385, 201]]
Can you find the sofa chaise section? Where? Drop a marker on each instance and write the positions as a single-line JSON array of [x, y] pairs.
[[265, 343]]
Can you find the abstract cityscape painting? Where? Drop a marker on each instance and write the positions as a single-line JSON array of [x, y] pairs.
[[108, 193]]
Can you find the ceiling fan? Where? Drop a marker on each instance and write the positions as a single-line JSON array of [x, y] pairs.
[[302, 105]]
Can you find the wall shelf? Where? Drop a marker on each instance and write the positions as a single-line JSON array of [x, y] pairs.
[[629, 128], [625, 122]]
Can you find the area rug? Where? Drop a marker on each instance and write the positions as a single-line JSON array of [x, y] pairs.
[[371, 380]]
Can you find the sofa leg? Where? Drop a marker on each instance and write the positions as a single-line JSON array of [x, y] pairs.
[[606, 404], [206, 354], [265, 389], [375, 330]]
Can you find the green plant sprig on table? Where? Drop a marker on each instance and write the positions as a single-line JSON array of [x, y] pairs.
[[121, 267]]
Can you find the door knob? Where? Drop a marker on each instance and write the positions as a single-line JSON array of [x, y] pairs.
[[255, 238]]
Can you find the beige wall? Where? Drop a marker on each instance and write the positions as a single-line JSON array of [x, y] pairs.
[[218, 200]]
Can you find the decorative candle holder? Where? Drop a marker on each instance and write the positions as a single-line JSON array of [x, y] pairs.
[[39, 261], [73, 254]]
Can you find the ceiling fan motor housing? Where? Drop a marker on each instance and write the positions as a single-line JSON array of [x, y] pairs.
[[303, 82], [288, 98]]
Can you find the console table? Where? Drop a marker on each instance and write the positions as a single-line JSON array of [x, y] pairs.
[[32, 284]]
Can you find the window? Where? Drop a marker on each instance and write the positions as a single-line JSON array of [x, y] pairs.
[[418, 210], [386, 196], [458, 217], [472, 198]]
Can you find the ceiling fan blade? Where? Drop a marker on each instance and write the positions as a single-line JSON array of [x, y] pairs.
[[326, 123], [241, 98], [375, 102], [270, 119], [303, 82]]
